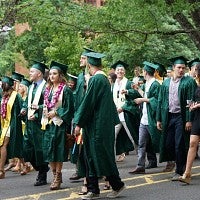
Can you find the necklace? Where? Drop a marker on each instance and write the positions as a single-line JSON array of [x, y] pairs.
[[51, 104], [4, 106]]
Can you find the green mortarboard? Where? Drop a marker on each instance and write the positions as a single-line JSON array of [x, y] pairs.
[[179, 60], [9, 80], [26, 82], [193, 62], [150, 67], [170, 68], [119, 63], [94, 58], [17, 76], [161, 69], [59, 66], [40, 66], [86, 50], [72, 77]]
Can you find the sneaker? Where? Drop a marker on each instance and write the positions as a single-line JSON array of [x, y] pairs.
[[74, 177], [91, 195], [115, 194], [176, 177]]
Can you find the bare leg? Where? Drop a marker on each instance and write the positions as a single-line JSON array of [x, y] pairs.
[[194, 141], [3, 153]]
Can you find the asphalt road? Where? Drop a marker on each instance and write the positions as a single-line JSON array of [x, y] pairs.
[[154, 185]]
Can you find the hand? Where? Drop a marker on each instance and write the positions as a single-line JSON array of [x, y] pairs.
[[77, 130], [188, 126], [135, 86], [51, 114], [124, 92], [194, 106], [159, 126], [23, 112], [32, 118], [34, 107], [139, 100]]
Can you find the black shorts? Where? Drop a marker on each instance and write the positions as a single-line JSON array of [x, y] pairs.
[[195, 127]]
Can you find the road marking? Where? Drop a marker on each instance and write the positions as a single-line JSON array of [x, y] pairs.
[[148, 179], [73, 195]]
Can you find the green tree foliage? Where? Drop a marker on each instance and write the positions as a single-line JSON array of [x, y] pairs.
[[132, 31]]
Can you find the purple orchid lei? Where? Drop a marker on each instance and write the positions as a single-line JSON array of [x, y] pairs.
[[4, 106], [51, 104]]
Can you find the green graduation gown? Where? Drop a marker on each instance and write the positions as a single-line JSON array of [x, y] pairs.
[[186, 91], [132, 119], [15, 146], [79, 91], [54, 145], [76, 156], [151, 113], [96, 116], [33, 136]]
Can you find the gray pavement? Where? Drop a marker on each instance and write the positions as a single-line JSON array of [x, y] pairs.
[[154, 185]]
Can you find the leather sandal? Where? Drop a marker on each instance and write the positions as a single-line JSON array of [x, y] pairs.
[[25, 170], [10, 165], [121, 157], [16, 169], [186, 178]]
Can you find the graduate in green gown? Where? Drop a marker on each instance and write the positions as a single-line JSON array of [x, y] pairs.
[[127, 131], [33, 109], [173, 116], [96, 115], [76, 155], [57, 116], [13, 163], [11, 137], [149, 136]]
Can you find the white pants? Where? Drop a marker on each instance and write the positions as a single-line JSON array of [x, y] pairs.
[[118, 128]]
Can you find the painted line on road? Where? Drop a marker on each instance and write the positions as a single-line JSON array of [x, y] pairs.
[[73, 195]]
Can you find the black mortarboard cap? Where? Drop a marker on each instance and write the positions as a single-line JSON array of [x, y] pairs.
[[9, 80], [141, 78], [56, 65], [193, 62], [161, 69], [94, 58], [26, 82], [178, 60], [40, 66], [72, 77], [120, 63], [17, 76]]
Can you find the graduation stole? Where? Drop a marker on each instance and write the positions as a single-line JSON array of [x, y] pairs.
[[5, 123], [119, 98], [100, 72], [56, 120], [36, 97]]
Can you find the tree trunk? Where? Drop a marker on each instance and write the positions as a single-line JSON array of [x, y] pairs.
[[186, 25]]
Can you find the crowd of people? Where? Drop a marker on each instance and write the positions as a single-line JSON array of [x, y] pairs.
[[106, 115]]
